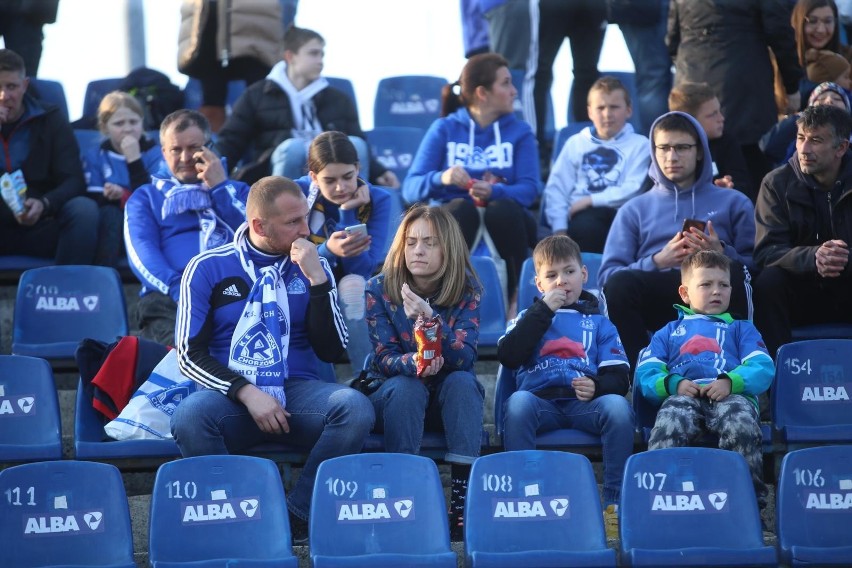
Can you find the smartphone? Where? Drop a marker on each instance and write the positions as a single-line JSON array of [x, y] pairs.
[[356, 230], [689, 223]]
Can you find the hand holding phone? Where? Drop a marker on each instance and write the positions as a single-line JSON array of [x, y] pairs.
[[358, 230]]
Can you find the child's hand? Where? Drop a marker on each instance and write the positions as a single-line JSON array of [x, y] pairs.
[[584, 387], [130, 148], [688, 388], [555, 298], [718, 390]]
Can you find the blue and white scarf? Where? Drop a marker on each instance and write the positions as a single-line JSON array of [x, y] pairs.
[[261, 340], [183, 198]]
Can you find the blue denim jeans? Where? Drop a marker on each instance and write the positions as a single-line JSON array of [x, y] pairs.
[[333, 420], [608, 416], [653, 64], [405, 407], [290, 158]]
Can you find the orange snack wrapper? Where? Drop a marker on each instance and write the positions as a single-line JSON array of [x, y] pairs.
[[427, 335]]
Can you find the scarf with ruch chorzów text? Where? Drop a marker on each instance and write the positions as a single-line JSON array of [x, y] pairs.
[[261, 340]]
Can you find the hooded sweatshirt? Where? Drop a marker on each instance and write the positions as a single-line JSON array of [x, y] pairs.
[[506, 148], [644, 225], [611, 171]]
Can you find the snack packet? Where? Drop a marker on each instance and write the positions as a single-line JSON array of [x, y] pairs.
[[13, 189], [427, 335]]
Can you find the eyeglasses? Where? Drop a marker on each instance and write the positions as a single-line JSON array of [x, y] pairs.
[[679, 149], [814, 22]]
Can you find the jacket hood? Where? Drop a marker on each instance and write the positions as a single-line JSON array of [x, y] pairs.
[[704, 165]]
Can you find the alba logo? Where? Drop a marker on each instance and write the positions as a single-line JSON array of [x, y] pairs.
[[249, 507], [403, 508], [829, 501], [91, 302], [93, 519], [559, 506], [718, 500], [825, 394], [57, 304], [26, 404]]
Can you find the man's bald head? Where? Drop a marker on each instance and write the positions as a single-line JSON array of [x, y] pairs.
[[264, 192]]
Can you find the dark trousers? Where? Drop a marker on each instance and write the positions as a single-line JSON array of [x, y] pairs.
[[590, 227], [69, 237], [156, 317], [640, 302], [512, 228], [783, 300], [582, 22]]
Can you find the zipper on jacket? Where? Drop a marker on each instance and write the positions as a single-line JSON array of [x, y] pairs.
[[830, 214], [226, 50]]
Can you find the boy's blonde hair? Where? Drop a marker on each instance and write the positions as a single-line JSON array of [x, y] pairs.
[[555, 248], [688, 97], [703, 259], [608, 84]]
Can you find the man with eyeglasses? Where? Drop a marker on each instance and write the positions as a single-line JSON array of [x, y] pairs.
[[682, 213], [804, 227], [189, 207]]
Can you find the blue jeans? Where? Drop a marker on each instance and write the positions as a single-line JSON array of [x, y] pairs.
[[608, 416], [290, 158], [653, 64], [405, 407], [333, 420]]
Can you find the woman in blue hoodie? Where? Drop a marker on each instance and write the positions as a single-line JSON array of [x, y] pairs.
[[481, 154], [650, 236]]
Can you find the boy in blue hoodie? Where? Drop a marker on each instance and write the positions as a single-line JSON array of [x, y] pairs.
[[707, 369], [649, 237], [572, 371]]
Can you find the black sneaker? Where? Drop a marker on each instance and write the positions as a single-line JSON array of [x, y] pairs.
[[299, 530]]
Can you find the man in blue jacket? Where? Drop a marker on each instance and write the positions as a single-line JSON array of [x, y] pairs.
[[190, 207], [53, 217]]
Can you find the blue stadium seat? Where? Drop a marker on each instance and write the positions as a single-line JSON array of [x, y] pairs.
[[95, 92], [408, 100], [549, 121], [690, 507], [534, 508], [395, 146], [64, 513], [57, 306], [564, 134], [562, 438], [813, 510], [87, 139], [378, 510], [51, 92], [809, 399], [527, 289], [628, 79], [219, 511], [492, 308], [193, 97], [30, 426], [346, 86]]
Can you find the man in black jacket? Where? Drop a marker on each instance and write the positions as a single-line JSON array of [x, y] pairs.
[[803, 221], [52, 217]]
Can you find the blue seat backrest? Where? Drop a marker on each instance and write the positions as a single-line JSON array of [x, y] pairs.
[[30, 426], [193, 96], [810, 397], [380, 506], [524, 507], [395, 146], [87, 139], [226, 507], [345, 85], [492, 308], [50, 92], [408, 100], [64, 513], [95, 92], [57, 306], [813, 509], [674, 499]]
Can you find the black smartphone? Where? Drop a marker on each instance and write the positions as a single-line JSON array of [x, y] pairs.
[[689, 223]]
